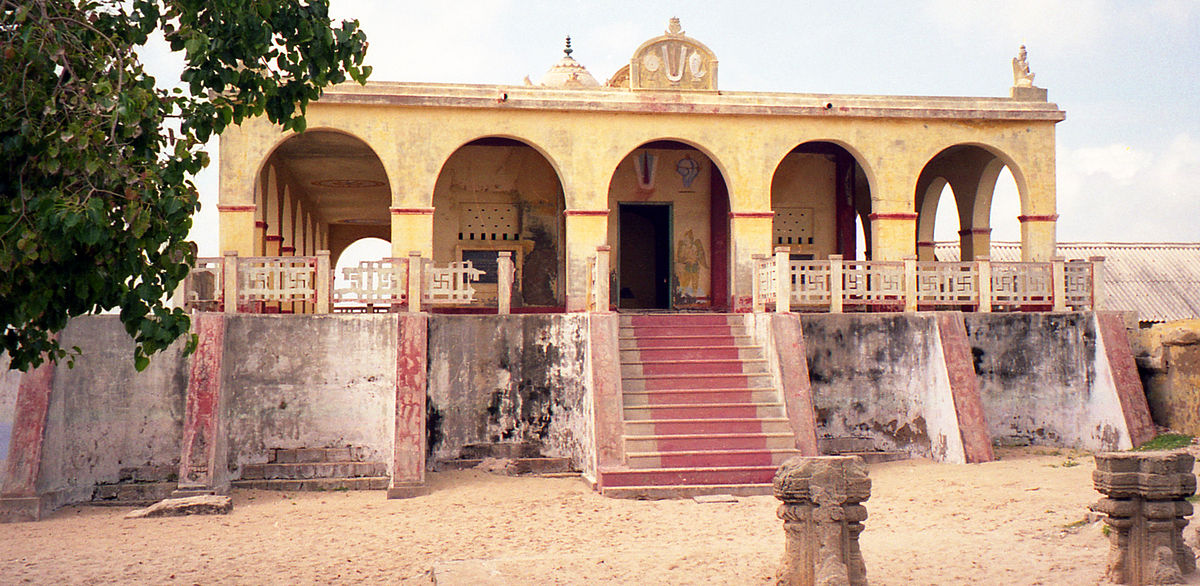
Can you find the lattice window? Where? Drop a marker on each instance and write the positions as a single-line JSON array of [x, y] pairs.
[[793, 226], [489, 221]]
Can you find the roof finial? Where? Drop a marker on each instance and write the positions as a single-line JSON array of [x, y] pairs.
[[568, 50]]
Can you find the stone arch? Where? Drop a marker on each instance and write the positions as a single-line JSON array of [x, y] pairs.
[[335, 177], [819, 188], [337, 256], [677, 191], [971, 170], [502, 193]]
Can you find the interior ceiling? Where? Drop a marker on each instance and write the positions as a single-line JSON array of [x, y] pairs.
[[341, 178]]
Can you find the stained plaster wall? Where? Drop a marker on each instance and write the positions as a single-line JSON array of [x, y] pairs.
[[1044, 379], [1168, 360], [510, 379], [808, 181], [10, 380], [508, 175], [691, 244], [882, 376], [315, 381], [104, 415]]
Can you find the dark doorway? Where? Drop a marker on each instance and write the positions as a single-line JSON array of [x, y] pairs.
[[645, 277]]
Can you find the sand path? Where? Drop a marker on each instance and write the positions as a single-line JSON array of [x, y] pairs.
[[1014, 521]]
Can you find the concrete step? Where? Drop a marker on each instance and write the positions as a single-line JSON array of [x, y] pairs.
[[685, 491], [879, 456], [709, 442], [312, 455], [682, 318], [720, 475], [683, 341], [520, 465], [132, 493], [832, 446], [500, 450], [709, 459], [703, 410], [680, 330], [306, 471], [641, 368], [750, 352], [316, 484], [646, 382], [707, 425], [741, 395]]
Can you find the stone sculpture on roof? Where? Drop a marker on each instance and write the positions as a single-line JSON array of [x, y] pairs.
[[673, 61]]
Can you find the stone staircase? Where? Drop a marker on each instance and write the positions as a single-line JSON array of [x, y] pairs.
[[314, 469], [701, 411]]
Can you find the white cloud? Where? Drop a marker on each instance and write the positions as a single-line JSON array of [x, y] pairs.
[[1122, 193]]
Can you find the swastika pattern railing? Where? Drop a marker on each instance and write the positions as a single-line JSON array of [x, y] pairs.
[[283, 279], [450, 284], [373, 284], [1078, 276], [873, 282], [1017, 284], [981, 284], [947, 283]]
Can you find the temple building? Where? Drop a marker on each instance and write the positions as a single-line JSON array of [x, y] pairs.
[[683, 180]]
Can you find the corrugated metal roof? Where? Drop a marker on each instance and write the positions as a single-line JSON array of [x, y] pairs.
[[1158, 280]]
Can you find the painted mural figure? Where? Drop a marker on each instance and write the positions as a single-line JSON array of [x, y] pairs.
[[691, 260]]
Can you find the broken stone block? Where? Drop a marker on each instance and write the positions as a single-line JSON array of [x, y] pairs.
[[208, 504], [1147, 508], [822, 518]]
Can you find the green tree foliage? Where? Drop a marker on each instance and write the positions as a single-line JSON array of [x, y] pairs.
[[96, 162]]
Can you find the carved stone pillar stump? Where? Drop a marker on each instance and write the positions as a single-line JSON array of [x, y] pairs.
[[822, 519], [1146, 506]]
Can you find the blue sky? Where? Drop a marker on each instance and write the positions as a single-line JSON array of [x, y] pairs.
[[1126, 73]]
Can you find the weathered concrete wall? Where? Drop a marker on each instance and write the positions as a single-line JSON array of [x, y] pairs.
[[9, 381], [1044, 379], [1169, 362], [312, 381], [104, 415], [882, 376], [510, 379]]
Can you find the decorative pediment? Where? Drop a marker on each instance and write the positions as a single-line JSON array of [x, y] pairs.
[[673, 61]]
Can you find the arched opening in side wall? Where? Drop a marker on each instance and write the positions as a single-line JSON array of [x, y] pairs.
[[497, 194], [669, 229]]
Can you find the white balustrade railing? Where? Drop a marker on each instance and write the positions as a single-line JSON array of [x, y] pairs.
[[450, 284], [982, 285], [373, 285], [305, 283]]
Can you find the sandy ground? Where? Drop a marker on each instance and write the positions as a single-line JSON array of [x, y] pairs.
[[1020, 520]]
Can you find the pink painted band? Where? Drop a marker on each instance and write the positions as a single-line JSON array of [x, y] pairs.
[[585, 212], [414, 211], [236, 208]]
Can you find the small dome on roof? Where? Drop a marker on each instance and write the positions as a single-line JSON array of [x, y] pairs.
[[569, 73]]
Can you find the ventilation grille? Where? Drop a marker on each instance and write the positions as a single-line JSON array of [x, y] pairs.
[[489, 221], [793, 226]]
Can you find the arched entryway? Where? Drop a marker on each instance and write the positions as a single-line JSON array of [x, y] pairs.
[[669, 229], [968, 174], [320, 190], [821, 201], [501, 194]]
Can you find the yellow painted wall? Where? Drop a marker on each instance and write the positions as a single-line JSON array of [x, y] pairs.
[[808, 181], [585, 145]]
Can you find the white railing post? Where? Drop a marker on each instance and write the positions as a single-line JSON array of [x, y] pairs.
[[910, 283], [783, 280], [415, 268], [229, 270], [758, 304], [835, 283], [323, 282], [1058, 283], [504, 288], [1098, 292], [601, 280], [983, 270]]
